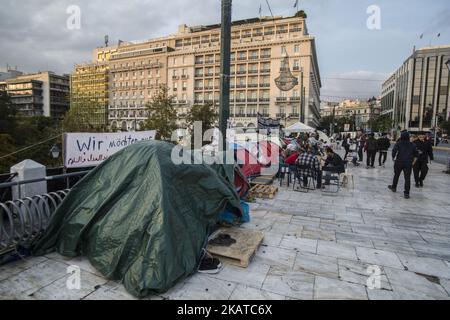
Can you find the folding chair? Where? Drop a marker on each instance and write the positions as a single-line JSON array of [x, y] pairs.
[[302, 172], [284, 173], [335, 181]]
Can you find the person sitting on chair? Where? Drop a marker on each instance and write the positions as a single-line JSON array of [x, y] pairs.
[[310, 159], [333, 163]]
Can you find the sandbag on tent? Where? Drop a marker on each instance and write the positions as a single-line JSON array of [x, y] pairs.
[[140, 218]]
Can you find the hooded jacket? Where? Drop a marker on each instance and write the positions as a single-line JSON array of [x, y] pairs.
[[404, 151], [424, 150], [383, 144]]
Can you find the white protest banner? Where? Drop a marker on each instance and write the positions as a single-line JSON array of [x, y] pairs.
[[91, 149]]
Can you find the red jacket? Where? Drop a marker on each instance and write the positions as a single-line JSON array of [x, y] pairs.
[[292, 158]]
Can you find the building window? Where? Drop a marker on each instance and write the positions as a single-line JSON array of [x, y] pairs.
[[297, 49]]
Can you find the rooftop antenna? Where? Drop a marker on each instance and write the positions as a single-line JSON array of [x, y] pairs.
[[106, 40]]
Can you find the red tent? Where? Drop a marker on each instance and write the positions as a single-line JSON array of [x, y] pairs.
[[248, 163]]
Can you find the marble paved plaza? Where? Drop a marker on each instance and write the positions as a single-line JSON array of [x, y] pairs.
[[316, 246]]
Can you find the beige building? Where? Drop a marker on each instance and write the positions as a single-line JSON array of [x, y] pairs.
[[39, 94], [188, 63], [361, 112]]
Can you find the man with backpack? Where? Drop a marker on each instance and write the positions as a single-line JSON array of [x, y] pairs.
[[383, 146], [371, 149]]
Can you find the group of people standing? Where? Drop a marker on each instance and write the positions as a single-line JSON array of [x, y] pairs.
[[371, 146], [410, 156]]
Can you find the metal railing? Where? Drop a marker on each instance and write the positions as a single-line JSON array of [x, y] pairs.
[[23, 221]]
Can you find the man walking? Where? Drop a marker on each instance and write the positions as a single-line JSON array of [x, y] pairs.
[[404, 155], [425, 152], [383, 146], [361, 145], [371, 148]]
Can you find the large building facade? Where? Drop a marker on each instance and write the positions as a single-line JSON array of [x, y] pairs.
[[361, 112], [188, 64], [39, 94], [89, 93], [417, 94]]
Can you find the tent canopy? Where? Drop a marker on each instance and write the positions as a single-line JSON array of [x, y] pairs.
[[323, 136], [299, 127]]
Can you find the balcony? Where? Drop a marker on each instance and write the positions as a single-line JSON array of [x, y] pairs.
[[296, 68], [281, 31], [265, 56], [175, 89], [253, 85], [253, 71], [242, 58], [241, 86], [265, 115], [281, 115], [198, 88], [281, 99], [252, 115], [209, 61], [184, 77], [209, 74], [294, 115], [295, 30], [264, 71], [252, 100], [240, 100], [198, 75], [199, 62], [294, 99], [175, 77], [268, 33], [253, 58], [264, 85], [209, 87], [241, 72], [264, 99], [197, 101], [240, 115]]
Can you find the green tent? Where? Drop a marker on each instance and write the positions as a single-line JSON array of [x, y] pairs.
[[140, 218]]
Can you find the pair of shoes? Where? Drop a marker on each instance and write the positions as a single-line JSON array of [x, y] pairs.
[[417, 185], [222, 239], [407, 196], [421, 183], [392, 188], [209, 264]]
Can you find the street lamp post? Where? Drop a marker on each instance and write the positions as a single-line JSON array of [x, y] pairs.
[[225, 52]]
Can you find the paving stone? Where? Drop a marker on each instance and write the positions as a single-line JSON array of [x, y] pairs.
[[428, 266], [59, 290], [203, 287], [318, 234], [11, 269], [378, 257], [332, 289], [272, 239], [406, 281], [293, 284], [336, 250], [252, 276], [245, 293], [300, 244], [359, 273], [277, 256], [316, 264]]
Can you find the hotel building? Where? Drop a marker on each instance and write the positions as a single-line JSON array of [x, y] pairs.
[[188, 64]]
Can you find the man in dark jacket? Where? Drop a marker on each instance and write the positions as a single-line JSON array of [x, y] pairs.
[[383, 146], [333, 164], [404, 155], [371, 148], [361, 144], [425, 152]]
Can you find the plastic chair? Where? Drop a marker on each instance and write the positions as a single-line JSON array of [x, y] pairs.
[[308, 172]]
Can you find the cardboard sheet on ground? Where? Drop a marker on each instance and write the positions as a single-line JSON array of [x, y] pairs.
[[140, 218]]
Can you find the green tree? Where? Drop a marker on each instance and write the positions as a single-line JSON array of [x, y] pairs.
[[161, 115], [325, 122], [7, 113], [7, 146], [382, 123], [202, 113]]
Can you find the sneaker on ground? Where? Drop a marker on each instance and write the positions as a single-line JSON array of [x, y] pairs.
[[209, 264]]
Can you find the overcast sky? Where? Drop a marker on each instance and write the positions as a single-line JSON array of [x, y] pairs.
[[34, 34]]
